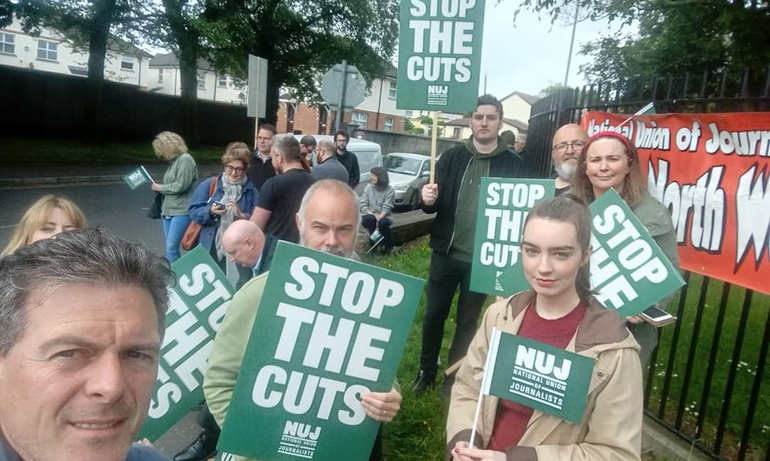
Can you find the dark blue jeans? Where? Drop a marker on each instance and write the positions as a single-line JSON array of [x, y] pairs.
[[370, 223]]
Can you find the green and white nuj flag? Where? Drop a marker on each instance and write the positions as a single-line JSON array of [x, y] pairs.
[[503, 207], [198, 302], [629, 271], [540, 376], [137, 177], [327, 331]]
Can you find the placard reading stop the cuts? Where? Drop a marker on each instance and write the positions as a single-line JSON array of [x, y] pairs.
[[629, 271], [503, 207], [328, 330], [440, 54]]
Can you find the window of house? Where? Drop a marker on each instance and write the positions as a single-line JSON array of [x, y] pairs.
[[360, 118], [47, 50], [222, 81], [392, 90], [160, 75], [202, 81], [7, 43], [126, 63], [388, 123]]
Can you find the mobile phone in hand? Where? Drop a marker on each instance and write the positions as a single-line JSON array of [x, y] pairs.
[[657, 317]]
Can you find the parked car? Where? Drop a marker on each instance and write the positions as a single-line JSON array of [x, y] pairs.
[[408, 173], [369, 155]]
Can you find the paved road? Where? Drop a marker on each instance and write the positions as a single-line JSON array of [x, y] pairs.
[[113, 206]]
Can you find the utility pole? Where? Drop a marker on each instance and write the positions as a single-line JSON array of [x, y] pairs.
[[571, 43]]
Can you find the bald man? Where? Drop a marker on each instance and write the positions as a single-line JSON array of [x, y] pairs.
[[568, 143], [247, 245]]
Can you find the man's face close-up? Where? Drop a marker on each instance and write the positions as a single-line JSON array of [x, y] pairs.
[[485, 123], [77, 383], [330, 224], [568, 144], [263, 140], [341, 142]]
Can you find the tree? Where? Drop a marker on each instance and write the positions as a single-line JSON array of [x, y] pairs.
[[675, 36], [184, 38], [300, 39]]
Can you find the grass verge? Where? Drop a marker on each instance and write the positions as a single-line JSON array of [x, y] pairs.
[[25, 151]]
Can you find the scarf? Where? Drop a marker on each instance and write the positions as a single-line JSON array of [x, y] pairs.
[[232, 192]]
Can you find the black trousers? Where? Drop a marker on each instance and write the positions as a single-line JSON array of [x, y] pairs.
[[444, 275]]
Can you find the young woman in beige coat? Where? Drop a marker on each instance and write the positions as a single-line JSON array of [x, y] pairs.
[[560, 311]]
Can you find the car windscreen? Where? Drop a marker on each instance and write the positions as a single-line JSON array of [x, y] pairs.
[[397, 164]]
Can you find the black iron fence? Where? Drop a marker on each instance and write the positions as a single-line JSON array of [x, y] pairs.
[[706, 378]]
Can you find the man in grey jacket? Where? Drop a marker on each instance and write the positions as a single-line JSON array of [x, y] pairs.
[[327, 165]]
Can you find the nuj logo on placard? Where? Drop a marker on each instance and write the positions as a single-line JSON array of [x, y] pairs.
[[438, 89], [542, 363], [301, 431]]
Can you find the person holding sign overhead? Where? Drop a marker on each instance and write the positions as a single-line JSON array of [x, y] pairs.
[[610, 160], [454, 198], [561, 312]]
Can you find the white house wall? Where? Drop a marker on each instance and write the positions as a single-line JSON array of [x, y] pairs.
[[25, 54], [171, 83]]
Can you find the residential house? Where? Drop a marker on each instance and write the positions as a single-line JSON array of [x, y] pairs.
[[52, 51], [165, 78], [377, 112], [516, 109]]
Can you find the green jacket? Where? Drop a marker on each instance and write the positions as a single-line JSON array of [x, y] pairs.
[[229, 347], [657, 219], [179, 185]]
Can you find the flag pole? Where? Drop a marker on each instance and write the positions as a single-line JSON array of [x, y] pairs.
[[147, 173], [433, 141]]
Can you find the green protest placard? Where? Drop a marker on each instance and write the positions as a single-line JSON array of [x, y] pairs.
[[629, 271], [198, 302], [503, 207], [328, 330], [137, 177], [540, 376], [439, 54]]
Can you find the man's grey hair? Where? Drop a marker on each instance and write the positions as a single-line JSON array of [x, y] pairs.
[[92, 256], [522, 137], [335, 187], [288, 146]]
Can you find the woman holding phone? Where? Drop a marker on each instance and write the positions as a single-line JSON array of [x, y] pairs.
[[234, 198], [610, 160], [560, 311]]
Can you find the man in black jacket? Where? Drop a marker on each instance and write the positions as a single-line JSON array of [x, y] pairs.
[[347, 158], [454, 198]]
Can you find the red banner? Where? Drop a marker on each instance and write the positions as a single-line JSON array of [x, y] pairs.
[[712, 171]]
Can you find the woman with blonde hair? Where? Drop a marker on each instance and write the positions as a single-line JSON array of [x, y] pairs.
[[49, 216], [177, 188]]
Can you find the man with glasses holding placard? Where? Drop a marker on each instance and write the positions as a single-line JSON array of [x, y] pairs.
[[568, 143]]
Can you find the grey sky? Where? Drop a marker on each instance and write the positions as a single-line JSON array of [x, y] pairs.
[[533, 54]]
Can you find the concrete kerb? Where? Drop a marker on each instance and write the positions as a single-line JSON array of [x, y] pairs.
[[660, 442], [7, 183]]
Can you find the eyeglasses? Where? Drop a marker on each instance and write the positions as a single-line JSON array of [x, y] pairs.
[[264, 138], [575, 145], [234, 169]]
